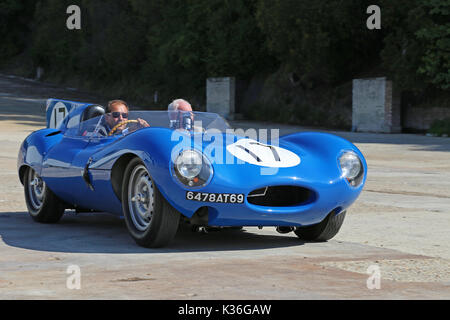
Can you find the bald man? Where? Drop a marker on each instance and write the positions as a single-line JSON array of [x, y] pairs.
[[178, 110], [179, 105], [175, 109]]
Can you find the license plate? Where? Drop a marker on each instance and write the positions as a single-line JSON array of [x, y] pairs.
[[215, 197]]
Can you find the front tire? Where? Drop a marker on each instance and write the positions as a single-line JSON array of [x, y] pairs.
[[43, 205], [322, 231], [151, 221]]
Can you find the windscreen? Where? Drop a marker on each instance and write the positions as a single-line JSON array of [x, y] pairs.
[[192, 121], [182, 119]]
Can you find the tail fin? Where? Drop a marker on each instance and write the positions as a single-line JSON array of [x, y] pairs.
[[57, 110]]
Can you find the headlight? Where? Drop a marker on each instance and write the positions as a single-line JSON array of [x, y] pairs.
[[351, 168], [192, 168], [189, 164]]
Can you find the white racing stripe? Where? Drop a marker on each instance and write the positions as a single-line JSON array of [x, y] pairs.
[[264, 155]]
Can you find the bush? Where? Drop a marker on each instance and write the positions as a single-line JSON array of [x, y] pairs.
[[435, 37], [417, 45], [171, 46], [15, 17], [440, 127], [323, 41]]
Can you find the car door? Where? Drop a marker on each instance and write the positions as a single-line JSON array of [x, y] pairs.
[[63, 166], [94, 186], [57, 169]]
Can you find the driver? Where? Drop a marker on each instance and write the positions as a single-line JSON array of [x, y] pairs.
[[117, 112]]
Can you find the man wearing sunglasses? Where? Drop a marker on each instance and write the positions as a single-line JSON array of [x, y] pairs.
[[117, 112]]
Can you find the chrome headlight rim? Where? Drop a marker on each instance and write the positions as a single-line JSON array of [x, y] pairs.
[[189, 164], [201, 179], [353, 179]]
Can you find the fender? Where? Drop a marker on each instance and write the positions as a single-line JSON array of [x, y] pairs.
[[323, 144], [57, 110], [35, 147]]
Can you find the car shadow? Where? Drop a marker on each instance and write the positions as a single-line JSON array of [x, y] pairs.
[[105, 233]]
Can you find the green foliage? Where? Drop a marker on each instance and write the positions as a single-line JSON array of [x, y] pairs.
[[323, 40], [440, 127], [172, 46], [435, 37], [417, 44], [15, 17], [53, 46], [204, 38]]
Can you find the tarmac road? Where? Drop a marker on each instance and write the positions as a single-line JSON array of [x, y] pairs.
[[400, 225]]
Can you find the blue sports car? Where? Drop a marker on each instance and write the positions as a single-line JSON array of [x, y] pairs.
[[188, 167]]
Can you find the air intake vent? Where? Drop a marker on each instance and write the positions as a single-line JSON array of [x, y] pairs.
[[281, 196]]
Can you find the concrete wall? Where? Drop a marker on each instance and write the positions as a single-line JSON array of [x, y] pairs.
[[415, 118], [220, 96], [375, 106]]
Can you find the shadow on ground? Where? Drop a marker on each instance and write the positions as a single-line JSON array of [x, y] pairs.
[[105, 233]]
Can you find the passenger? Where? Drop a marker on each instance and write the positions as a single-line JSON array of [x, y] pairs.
[[181, 116], [175, 116]]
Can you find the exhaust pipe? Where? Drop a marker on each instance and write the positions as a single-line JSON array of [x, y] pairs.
[[284, 230]]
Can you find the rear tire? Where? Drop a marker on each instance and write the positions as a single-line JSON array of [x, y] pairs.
[[322, 231], [43, 205], [151, 221]]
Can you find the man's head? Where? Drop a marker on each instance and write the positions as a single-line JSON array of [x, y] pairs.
[[176, 108], [116, 112], [179, 105]]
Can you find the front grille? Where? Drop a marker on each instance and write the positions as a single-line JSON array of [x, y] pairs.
[[281, 196]]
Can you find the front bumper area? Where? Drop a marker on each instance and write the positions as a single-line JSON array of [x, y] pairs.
[[336, 196]]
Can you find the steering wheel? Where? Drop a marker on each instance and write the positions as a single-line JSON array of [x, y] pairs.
[[119, 125]]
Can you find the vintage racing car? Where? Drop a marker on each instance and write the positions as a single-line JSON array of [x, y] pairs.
[[190, 167]]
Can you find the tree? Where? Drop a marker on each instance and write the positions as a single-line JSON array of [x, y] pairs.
[[435, 38], [323, 41], [15, 17], [417, 44]]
